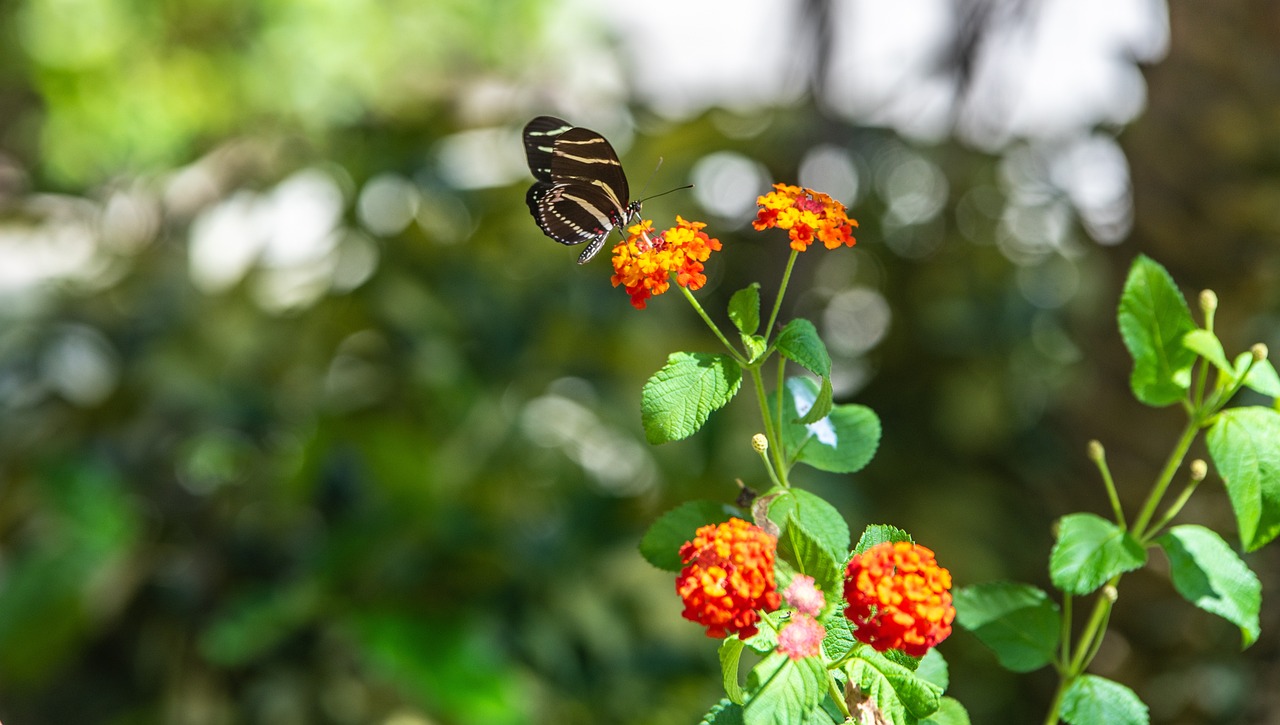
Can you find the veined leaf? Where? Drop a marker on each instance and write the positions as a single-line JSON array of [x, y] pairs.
[[1154, 318], [1089, 551], [1206, 345], [1245, 446], [678, 398], [1207, 573], [1094, 700], [661, 543], [843, 442], [744, 309], [783, 691]]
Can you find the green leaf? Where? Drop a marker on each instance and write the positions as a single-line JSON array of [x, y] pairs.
[[1018, 622], [879, 534], [913, 694], [839, 639], [1089, 551], [799, 343], [1262, 376], [933, 668], [785, 691], [755, 345], [1207, 573], [744, 309], [1245, 446], [724, 712], [1153, 318], [1093, 700], [678, 398], [950, 712], [818, 517], [1206, 345], [730, 657], [661, 543], [810, 556], [843, 442]]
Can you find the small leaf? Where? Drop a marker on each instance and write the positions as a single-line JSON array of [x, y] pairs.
[[744, 309], [1245, 446], [1016, 621], [843, 442], [822, 405], [879, 534], [839, 639], [1207, 573], [1206, 345], [785, 691], [1153, 318], [799, 343], [1093, 700], [661, 543], [950, 712], [1089, 551], [820, 518], [678, 398], [1262, 376], [810, 556], [730, 657], [755, 345]]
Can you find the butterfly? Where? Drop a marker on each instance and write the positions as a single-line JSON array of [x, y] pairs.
[[581, 191]]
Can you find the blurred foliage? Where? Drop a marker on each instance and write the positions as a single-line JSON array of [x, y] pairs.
[[303, 420]]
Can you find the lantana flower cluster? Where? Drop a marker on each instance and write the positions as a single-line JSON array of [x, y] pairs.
[[728, 576], [644, 262], [805, 214], [896, 595], [899, 598]]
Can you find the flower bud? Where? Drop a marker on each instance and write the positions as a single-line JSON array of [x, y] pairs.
[[1096, 451], [760, 443], [1208, 300], [1199, 469], [1259, 352]]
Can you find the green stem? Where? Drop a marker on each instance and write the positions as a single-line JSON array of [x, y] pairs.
[[1064, 650], [1099, 456], [1173, 510], [838, 697], [782, 290], [1056, 705], [707, 319], [779, 472], [1086, 648], [1166, 477]]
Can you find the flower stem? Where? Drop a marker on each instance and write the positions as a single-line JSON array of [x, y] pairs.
[[707, 319], [782, 290], [1166, 477], [779, 472]]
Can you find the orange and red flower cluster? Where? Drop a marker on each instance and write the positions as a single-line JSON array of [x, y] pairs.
[[727, 577], [644, 261], [899, 598], [806, 214]]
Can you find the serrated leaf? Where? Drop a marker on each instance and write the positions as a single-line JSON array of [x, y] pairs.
[[799, 342], [724, 712], [1206, 345], [808, 554], [822, 405], [1089, 551], [950, 712], [730, 657], [661, 544], [843, 442], [744, 309], [1262, 376], [820, 518], [1207, 573], [916, 696], [678, 398], [879, 534], [784, 691], [1018, 622], [1245, 446], [1153, 319], [839, 639], [1093, 700], [755, 345]]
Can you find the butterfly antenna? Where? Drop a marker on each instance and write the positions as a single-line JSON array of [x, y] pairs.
[[668, 191]]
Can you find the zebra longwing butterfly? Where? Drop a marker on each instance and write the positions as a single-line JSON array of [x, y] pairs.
[[581, 191]]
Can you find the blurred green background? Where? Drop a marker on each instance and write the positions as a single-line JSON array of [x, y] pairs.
[[302, 420]]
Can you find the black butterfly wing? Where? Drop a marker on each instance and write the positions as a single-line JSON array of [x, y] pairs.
[[540, 136], [581, 153], [581, 193], [573, 212]]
